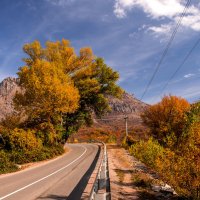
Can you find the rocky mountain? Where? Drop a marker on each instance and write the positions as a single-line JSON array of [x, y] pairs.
[[8, 88], [113, 125], [128, 107]]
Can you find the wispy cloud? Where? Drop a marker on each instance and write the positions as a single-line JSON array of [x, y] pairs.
[[191, 93], [163, 30], [161, 9], [189, 75]]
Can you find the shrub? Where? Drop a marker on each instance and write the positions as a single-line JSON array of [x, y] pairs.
[[34, 155], [111, 139], [21, 140], [147, 152], [182, 171], [5, 164]]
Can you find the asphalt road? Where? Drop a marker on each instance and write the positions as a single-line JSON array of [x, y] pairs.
[[62, 178]]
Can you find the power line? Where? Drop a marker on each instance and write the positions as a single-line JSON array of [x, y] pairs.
[[167, 48], [108, 119], [182, 63], [191, 93]]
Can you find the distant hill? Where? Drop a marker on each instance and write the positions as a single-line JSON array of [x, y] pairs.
[[128, 106], [113, 122]]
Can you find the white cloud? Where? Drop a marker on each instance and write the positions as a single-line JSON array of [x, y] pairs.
[[192, 21], [154, 8], [157, 9], [142, 27], [119, 12], [163, 29], [188, 75], [163, 32]]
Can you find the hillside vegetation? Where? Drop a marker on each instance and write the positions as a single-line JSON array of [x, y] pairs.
[[173, 149], [59, 92]]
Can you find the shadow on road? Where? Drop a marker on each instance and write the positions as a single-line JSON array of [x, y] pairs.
[[52, 196], [78, 190]]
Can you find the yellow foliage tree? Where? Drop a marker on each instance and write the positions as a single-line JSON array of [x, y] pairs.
[[91, 76], [48, 91]]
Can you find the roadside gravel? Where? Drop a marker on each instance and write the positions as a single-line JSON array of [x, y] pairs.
[[131, 179]]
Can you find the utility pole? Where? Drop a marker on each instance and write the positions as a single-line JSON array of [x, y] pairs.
[[61, 119], [126, 122]]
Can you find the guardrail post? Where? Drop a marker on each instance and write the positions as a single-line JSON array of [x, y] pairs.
[[104, 183]]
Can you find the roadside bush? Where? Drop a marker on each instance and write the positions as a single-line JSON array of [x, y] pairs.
[[128, 141], [111, 139], [22, 146], [21, 140], [182, 171], [5, 164], [147, 152], [175, 151], [34, 155]]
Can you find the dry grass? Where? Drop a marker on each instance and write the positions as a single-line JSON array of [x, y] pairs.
[[120, 175], [141, 180]]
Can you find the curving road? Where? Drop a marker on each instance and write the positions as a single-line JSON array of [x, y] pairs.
[[61, 178]]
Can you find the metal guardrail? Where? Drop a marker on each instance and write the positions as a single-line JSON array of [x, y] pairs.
[[101, 186]]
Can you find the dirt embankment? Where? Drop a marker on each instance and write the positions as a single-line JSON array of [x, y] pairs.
[[130, 179]]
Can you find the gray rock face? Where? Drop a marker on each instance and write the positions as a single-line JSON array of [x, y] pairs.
[[8, 85], [8, 89], [128, 104]]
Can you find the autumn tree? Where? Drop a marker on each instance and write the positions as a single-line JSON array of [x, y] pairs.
[[167, 119], [90, 75], [48, 91]]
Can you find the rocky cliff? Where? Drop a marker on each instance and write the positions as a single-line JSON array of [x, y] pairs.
[[127, 106], [8, 88]]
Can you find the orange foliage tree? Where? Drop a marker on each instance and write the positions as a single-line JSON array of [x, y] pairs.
[[167, 119]]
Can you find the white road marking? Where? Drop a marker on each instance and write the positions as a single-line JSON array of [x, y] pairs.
[[16, 191]]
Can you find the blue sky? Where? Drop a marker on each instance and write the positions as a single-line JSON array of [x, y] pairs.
[[129, 34]]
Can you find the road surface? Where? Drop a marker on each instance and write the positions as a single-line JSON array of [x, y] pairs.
[[62, 178]]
